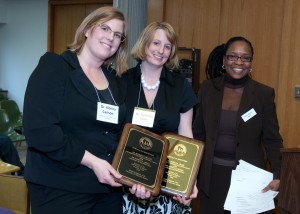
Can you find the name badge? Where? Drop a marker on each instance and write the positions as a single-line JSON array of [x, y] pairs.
[[143, 117], [248, 115], [107, 113]]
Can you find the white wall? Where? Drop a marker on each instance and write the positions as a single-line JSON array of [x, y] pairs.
[[23, 39], [2, 12]]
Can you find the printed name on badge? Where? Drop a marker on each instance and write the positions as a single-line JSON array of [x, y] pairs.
[[107, 113], [143, 117], [248, 115]]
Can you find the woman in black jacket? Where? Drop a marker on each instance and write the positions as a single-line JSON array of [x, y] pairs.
[[73, 116]]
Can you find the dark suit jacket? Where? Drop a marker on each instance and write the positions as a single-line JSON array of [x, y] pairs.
[[60, 124], [257, 138]]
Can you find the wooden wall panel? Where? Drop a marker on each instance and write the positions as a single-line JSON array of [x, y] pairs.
[[288, 107], [64, 18], [195, 21], [66, 21], [258, 21], [155, 10]]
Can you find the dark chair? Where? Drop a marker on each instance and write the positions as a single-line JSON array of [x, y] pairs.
[[13, 111], [7, 129]]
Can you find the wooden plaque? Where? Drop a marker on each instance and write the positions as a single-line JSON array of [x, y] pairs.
[[141, 157], [182, 165]]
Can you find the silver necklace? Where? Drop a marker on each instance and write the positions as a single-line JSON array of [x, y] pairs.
[[149, 87]]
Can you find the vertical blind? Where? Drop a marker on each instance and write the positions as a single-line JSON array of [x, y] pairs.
[[135, 12]]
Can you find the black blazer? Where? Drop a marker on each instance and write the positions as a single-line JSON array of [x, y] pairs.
[[60, 124], [256, 137]]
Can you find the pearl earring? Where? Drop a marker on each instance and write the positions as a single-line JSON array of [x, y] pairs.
[[223, 66]]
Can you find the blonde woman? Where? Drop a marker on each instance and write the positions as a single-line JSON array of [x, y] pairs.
[[153, 86]]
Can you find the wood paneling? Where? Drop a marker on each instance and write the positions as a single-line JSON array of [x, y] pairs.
[[67, 18], [64, 18], [289, 192], [194, 21], [155, 10], [288, 107], [273, 27], [258, 21]]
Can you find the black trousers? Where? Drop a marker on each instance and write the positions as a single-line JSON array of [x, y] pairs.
[[47, 200], [219, 186]]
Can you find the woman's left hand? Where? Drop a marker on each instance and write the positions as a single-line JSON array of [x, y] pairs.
[[187, 201], [273, 185]]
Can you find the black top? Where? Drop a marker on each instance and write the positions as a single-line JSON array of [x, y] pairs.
[[60, 124], [174, 96]]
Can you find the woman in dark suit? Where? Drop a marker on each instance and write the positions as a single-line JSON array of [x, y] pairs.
[[236, 118], [74, 111]]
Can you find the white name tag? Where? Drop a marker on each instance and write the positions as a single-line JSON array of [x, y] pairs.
[[107, 113], [143, 117], [248, 115]]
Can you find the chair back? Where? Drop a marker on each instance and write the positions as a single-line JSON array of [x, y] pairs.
[[5, 126], [13, 111], [14, 194], [8, 130]]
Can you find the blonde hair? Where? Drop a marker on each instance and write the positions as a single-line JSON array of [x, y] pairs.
[[103, 14], [138, 51]]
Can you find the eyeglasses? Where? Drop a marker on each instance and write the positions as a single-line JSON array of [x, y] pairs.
[[235, 58], [117, 35]]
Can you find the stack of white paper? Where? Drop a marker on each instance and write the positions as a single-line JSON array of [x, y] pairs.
[[245, 192]]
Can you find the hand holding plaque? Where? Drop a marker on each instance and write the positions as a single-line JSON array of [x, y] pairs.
[[182, 165], [141, 157]]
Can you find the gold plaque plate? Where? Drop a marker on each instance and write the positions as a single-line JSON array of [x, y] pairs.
[[141, 157], [182, 165]]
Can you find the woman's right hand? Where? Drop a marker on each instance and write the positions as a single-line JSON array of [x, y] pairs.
[[273, 185], [104, 171], [140, 191]]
